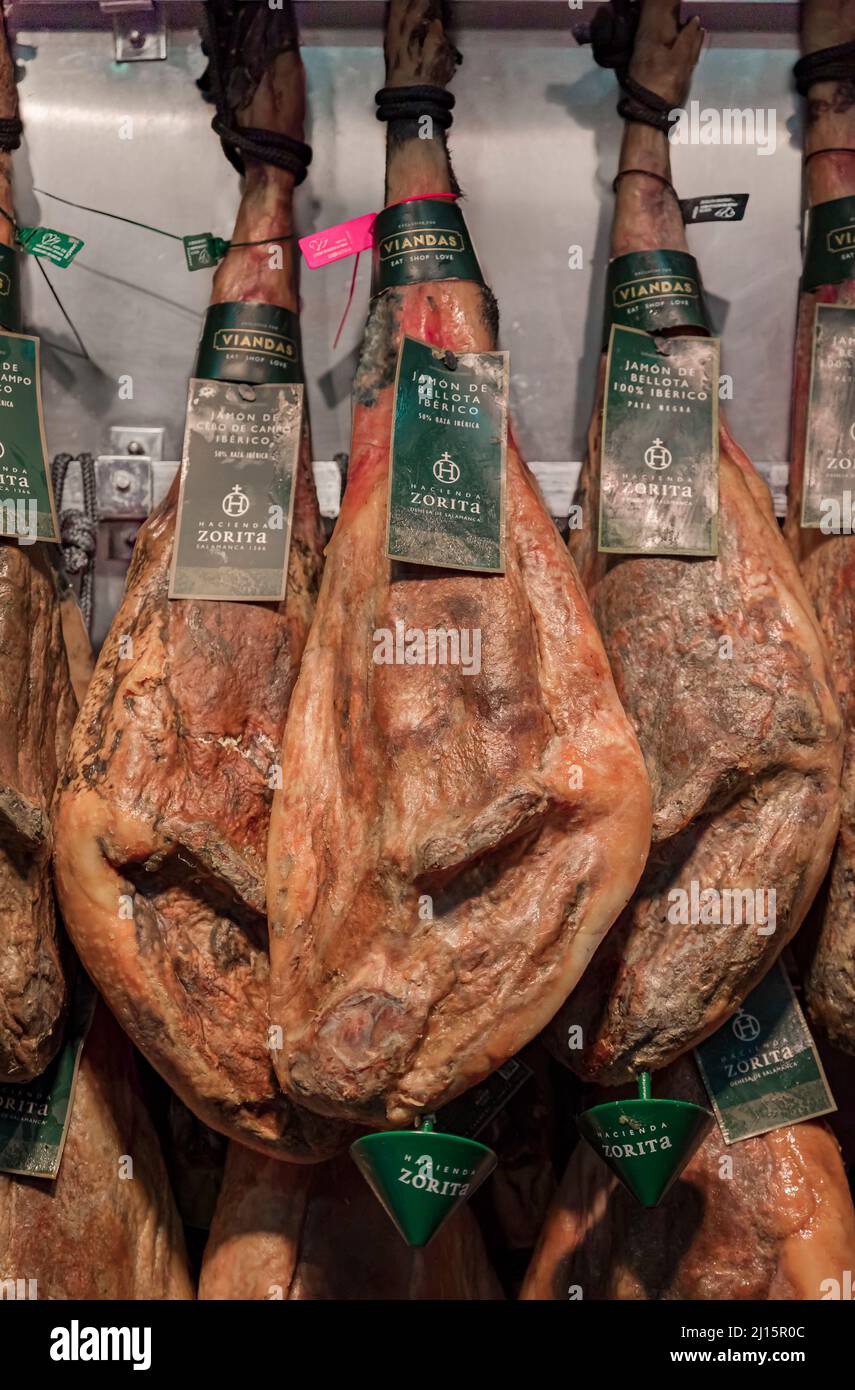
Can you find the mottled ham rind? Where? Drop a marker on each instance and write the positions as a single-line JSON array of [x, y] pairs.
[[162, 826], [724, 673], [282, 1231], [37, 710], [828, 562], [776, 1222], [419, 782], [107, 1227]]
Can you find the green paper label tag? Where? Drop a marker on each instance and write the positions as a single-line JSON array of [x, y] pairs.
[[236, 497], [659, 447], [54, 246], [829, 477], [35, 1115], [204, 250], [250, 342], [761, 1068], [470, 1114], [830, 246], [26, 498], [10, 291], [654, 290], [447, 470], [426, 239]]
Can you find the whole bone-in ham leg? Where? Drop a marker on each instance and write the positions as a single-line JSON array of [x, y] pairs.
[[420, 780], [37, 709], [107, 1227], [319, 1233], [167, 791], [742, 740], [776, 1222], [828, 562]]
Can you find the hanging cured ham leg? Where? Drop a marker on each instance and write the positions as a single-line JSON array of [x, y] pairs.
[[724, 673], [781, 1227], [37, 709], [423, 784], [107, 1227], [168, 786], [827, 562], [310, 1234]]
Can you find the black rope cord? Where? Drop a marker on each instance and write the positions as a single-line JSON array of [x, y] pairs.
[[612, 36], [78, 530], [832, 149], [836, 64], [11, 131], [411, 103], [219, 45], [648, 173]]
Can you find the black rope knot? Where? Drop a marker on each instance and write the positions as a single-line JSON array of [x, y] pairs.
[[611, 35], [267, 146], [11, 131], [411, 103], [78, 531], [836, 64], [79, 537]]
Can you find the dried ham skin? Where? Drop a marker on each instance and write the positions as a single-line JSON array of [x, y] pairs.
[[37, 710], [420, 784], [162, 826], [827, 562], [724, 673]]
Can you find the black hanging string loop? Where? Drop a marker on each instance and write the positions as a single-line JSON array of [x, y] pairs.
[[267, 146], [413, 102], [648, 174], [835, 64], [832, 149]]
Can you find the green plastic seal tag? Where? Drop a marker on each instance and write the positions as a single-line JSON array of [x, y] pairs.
[[255, 343], [35, 1115], [830, 247], [828, 492], [10, 291], [203, 250], [421, 1178], [26, 498], [426, 239], [447, 471], [50, 245], [236, 496], [645, 1142], [659, 446], [654, 290], [761, 1068]]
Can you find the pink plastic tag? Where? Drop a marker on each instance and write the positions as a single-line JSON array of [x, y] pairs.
[[334, 243], [349, 238]]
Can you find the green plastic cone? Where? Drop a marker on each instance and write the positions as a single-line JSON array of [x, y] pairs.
[[421, 1177], [646, 1143]]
